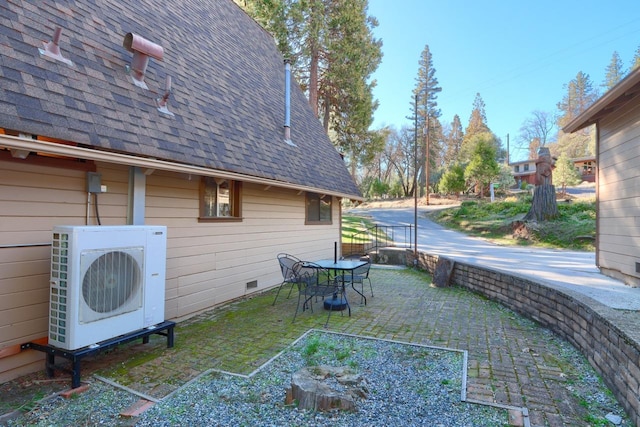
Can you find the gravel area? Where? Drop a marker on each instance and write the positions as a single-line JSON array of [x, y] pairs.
[[406, 385]]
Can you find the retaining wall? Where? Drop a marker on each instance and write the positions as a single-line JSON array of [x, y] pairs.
[[607, 337]]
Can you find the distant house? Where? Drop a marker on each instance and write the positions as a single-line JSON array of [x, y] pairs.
[[177, 113], [617, 118], [525, 171], [586, 166]]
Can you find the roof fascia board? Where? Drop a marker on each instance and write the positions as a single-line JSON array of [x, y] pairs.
[[586, 117], [8, 141]]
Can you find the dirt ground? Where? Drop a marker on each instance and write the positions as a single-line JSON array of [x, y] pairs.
[[434, 200]]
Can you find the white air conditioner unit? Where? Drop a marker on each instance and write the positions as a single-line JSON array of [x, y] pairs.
[[106, 281]]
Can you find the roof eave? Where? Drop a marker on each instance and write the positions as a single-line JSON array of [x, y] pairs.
[[31, 145], [593, 113]]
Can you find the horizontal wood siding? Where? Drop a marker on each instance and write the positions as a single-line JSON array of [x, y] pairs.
[[619, 193], [210, 263], [33, 199]]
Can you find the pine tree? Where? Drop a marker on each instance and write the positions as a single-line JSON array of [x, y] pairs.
[[482, 167], [452, 181], [636, 60], [614, 72], [453, 142], [333, 53], [477, 126], [579, 96], [427, 113], [565, 173], [478, 120]]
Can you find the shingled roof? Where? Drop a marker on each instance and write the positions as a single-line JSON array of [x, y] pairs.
[[227, 89]]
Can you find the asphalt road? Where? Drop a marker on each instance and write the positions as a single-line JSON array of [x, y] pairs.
[[559, 268]]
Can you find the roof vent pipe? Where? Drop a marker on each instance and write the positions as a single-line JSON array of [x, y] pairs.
[[52, 49], [163, 102], [142, 49], [287, 102]]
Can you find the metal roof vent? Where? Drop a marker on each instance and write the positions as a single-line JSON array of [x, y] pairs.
[[163, 102], [52, 49], [287, 103], [142, 49]]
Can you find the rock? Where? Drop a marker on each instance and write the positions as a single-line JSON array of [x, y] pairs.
[[614, 419]]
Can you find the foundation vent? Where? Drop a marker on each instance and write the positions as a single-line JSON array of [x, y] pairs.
[[252, 284]]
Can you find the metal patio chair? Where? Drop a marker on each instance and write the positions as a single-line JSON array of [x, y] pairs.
[[288, 277], [360, 274], [316, 282]]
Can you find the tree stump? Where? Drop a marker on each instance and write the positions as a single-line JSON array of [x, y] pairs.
[[310, 389], [543, 206]]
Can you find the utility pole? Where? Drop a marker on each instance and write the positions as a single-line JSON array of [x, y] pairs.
[[426, 148], [415, 185], [426, 171], [507, 149]]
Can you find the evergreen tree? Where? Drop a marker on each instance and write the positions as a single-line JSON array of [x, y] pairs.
[[580, 95], [478, 126], [333, 54], [482, 167], [505, 178], [452, 180], [426, 91], [478, 120], [453, 142], [565, 173], [614, 72], [636, 60]]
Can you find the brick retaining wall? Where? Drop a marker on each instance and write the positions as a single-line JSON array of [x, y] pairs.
[[607, 337]]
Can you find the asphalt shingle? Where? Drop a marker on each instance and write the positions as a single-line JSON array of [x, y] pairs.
[[227, 88]]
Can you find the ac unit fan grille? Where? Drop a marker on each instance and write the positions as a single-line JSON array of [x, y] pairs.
[[110, 281]]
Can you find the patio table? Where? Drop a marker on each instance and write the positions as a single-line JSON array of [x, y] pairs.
[[344, 266]]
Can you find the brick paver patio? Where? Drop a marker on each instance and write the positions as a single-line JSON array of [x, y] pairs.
[[511, 361]]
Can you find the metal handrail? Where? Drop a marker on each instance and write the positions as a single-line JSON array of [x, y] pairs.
[[379, 236]]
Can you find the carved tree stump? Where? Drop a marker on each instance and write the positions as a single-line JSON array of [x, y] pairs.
[[543, 206]]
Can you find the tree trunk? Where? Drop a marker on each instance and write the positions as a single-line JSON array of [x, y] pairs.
[[313, 79], [543, 206]]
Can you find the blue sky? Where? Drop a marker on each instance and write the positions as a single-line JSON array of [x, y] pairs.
[[517, 54]]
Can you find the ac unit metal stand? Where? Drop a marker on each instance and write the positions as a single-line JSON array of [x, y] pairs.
[[75, 356]]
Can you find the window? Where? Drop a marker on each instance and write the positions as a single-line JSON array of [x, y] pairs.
[[220, 199], [318, 209], [517, 168], [526, 167]]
